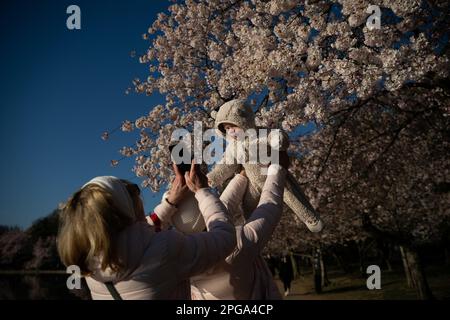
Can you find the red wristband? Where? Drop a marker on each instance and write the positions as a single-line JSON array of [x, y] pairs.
[[156, 221]]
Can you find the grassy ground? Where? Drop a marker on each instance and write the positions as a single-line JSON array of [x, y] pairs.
[[353, 287]]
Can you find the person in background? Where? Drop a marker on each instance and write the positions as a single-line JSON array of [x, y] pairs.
[[286, 272]]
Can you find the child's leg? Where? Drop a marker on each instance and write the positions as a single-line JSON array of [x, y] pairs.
[[296, 200], [251, 200]]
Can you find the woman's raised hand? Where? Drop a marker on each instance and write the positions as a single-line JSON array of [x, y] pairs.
[[179, 189], [195, 178]]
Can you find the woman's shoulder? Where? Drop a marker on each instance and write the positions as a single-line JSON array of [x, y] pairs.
[[145, 241], [166, 242]]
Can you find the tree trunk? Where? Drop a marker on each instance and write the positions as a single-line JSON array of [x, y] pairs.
[[446, 257], [341, 263], [298, 260], [323, 271], [418, 278], [362, 269], [317, 272], [388, 264], [294, 265], [383, 252], [388, 257], [406, 267]]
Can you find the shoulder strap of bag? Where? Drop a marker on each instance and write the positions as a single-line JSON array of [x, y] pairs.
[[113, 291]]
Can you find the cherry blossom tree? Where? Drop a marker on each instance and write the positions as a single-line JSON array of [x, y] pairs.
[[15, 249], [310, 59], [382, 172], [45, 255]]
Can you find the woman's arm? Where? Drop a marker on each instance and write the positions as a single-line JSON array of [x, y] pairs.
[[258, 229], [233, 194], [200, 251], [161, 215]]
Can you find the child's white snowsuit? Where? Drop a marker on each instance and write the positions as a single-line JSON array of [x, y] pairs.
[[239, 113]]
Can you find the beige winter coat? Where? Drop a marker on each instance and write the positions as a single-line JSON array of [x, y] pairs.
[[159, 264], [239, 113], [244, 274]]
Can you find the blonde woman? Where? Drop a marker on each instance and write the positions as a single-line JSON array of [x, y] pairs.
[[104, 231]]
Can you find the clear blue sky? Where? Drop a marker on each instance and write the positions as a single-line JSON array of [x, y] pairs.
[[60, 90]]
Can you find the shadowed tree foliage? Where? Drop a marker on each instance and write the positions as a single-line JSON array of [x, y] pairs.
[[34, 248]]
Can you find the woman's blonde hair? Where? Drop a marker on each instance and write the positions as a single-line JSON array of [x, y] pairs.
[[90, 223]]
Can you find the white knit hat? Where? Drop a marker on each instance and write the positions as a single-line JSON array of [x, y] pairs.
[[118, 190], [236, 112], [188, 219]]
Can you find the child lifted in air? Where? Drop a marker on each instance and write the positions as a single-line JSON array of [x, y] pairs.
[[232, 120]]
